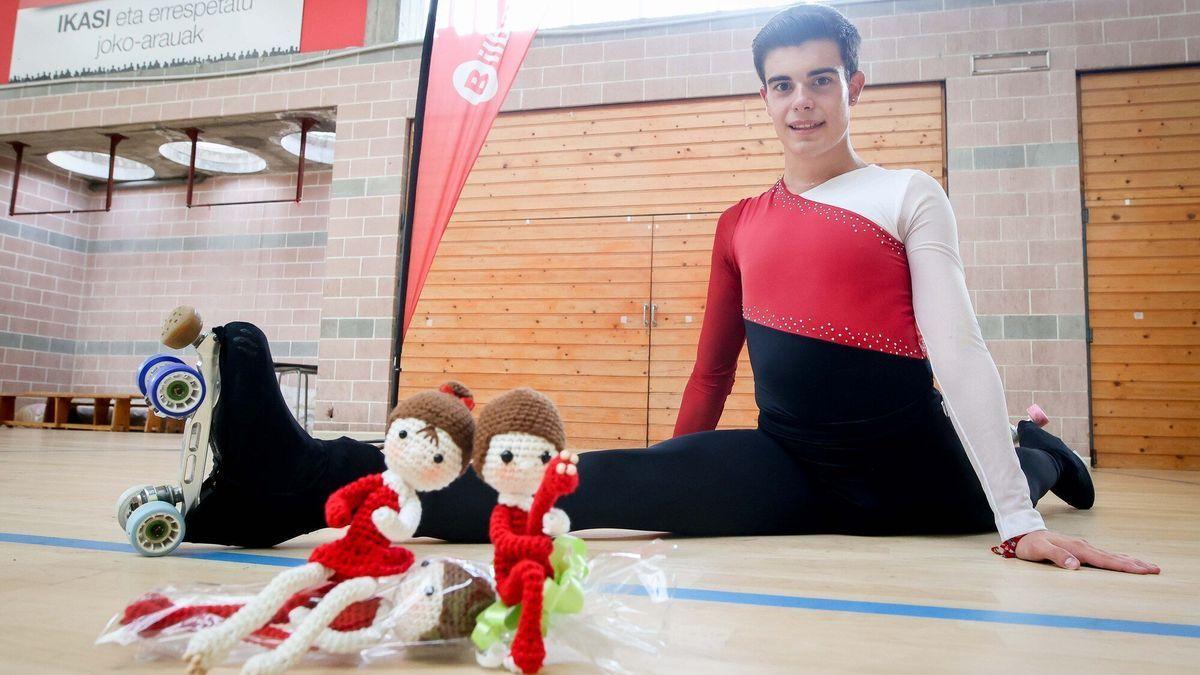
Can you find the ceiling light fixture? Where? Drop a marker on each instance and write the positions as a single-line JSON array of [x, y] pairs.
[[318, 148], [214, 157], [95, 165]]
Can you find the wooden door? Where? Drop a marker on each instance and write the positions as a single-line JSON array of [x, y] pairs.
[[1141, 184], [682, 255]]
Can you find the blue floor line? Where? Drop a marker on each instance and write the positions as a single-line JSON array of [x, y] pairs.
[[728, 597], [926, 611], [120, 547]]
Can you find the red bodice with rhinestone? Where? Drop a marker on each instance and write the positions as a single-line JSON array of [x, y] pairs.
[[823, 272]]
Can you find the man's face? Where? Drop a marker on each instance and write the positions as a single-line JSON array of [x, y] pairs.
[[807, 95]]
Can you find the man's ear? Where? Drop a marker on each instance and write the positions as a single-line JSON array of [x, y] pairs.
[[762, 93], [857, 81]]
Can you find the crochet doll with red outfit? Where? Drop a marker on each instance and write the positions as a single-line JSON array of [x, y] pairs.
[[425, 449], [519, 451], [436, 600]]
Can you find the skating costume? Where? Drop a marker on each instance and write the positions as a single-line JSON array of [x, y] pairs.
[[840, 295], [850, 296], [363, 551]]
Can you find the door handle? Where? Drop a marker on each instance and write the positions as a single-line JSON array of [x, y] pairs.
[[645, 315], [654, 316]]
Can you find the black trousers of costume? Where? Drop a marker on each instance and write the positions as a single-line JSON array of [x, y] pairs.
[[904, 473]]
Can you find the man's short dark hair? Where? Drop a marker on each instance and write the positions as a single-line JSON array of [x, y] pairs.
[[801, 23]]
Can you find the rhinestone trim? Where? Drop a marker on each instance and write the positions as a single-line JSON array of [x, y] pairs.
[[829, 332]]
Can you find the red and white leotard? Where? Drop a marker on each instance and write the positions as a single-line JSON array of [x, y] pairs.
[[857, 280]]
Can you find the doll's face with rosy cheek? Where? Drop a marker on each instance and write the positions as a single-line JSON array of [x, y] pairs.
[[424, 456], [516, 462]]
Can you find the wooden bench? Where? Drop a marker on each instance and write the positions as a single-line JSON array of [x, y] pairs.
[[166, 425], [112, 411]]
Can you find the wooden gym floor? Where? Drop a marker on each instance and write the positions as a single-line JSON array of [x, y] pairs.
[[787, 604]]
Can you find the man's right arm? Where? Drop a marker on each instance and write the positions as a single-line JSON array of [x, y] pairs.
[[721, 336]]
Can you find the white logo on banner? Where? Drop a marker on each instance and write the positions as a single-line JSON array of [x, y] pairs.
[[476, 81], [85, 38]]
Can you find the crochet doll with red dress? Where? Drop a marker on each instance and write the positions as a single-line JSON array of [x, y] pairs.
[[437, 600], [426, 448], [519, 451]]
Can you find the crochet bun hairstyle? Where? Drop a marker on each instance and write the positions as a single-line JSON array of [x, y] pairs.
[[448, 408]]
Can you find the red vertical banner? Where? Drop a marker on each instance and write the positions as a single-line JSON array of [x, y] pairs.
[[478, 46]]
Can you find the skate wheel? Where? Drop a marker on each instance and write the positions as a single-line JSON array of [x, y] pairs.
[[147, 370], [155, 529], [1037, 415], [181, 327], [124, 503], [176, 391]]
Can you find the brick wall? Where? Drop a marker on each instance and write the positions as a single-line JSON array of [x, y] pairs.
[[42, 268], [1013, 160], [83, 295], [261, 263]]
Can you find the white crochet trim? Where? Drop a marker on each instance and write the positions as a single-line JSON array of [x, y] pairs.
[[398, 526], [389, 524], [523, 502], [397, 484], [556, 523]]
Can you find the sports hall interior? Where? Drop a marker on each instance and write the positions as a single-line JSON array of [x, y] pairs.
[[1066, 134]]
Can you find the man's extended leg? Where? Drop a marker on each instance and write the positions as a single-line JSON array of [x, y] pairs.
[[713, 483], [948, 496], [270, 479], [1073, 483]]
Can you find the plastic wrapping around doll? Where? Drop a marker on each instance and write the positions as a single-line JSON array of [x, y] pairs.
[[362, 598], [434, 604]]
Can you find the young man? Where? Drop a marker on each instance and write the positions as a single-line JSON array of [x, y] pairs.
[[844, 281]]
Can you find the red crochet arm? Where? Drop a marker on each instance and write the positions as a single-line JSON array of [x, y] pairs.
[[553, 486], [339, 509], [721, 336], [512, 545]]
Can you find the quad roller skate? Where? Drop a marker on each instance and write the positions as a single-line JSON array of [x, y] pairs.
[[152, 515], [1036, 415]]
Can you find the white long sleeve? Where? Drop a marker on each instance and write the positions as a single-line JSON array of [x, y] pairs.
[[964, 368]]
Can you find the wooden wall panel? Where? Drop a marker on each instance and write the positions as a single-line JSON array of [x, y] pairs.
[[683, 247], [691, 156], [1141, 179], [552, 304]]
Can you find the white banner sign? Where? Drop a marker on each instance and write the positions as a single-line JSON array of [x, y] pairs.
[[83, 38]]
